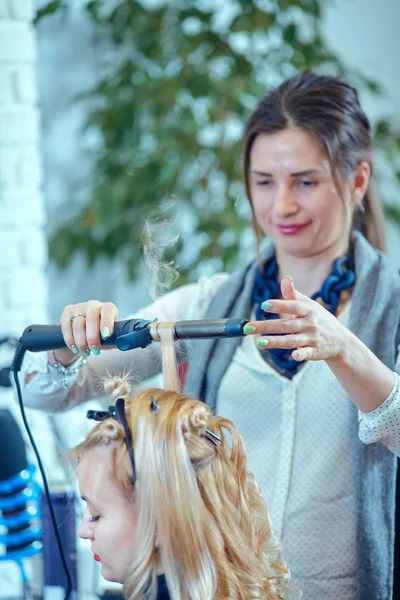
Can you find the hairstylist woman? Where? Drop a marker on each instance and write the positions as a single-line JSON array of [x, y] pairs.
[[316, 396]]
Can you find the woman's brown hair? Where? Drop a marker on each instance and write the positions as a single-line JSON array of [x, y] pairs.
[[327, 107]]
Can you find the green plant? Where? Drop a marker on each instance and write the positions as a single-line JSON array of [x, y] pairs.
[[169, 113]]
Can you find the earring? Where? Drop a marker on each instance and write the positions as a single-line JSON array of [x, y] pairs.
[[362, 208]]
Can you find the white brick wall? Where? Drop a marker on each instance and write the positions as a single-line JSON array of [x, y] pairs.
[[23, 248], [23, 10]]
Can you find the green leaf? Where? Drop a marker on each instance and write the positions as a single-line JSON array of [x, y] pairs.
[[392, 212], [290, 34], [49, 9], [93, 8]]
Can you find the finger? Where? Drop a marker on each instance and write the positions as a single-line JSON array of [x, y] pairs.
[[277, 326], [66, 326], [288, 290], [285, 342], [108, 316], [305, 353], [74, 330], [79, 327], [298, 308], [93, 328]]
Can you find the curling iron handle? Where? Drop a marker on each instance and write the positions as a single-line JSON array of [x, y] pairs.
[[38, 338]]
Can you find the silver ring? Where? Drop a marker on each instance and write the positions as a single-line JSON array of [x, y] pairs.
[[74, 317]]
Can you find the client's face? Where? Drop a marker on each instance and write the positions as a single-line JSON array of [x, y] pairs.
[[109, 520]]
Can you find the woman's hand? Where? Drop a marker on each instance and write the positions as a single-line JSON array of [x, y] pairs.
[[92, 321], [305, 325], [318, 335]]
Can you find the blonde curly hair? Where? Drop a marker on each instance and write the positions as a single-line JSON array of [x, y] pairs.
[[195, 495]]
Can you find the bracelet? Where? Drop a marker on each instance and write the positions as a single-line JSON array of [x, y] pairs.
[[69, 372]]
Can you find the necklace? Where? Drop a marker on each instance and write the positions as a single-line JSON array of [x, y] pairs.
[[266, 286]]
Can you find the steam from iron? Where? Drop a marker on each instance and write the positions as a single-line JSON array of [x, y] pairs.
[[158, 237]]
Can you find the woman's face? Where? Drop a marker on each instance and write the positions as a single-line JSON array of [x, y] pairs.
[[294, 197], [109, 520]]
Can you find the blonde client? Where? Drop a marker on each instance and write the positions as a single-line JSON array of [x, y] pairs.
[[171, 510]]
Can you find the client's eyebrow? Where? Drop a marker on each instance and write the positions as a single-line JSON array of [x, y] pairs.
[[90, 502]]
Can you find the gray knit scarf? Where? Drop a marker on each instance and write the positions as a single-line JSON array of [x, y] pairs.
[[375, 319]]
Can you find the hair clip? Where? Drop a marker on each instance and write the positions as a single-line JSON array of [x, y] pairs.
[[98, 415], [117, 412], [214, 437], [154, 405], [121, 416]]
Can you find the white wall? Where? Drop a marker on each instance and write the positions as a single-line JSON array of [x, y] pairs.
[[23, 247], [365, 33], [23, 251]]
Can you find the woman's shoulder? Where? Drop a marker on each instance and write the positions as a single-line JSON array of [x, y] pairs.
[[367, 256], [201, 293]]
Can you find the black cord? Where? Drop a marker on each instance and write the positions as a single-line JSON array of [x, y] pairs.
[[16, 364]]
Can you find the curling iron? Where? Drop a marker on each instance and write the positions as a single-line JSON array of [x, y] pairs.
[[135, 333]]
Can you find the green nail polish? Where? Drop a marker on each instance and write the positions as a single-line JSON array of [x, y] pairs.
[[261, 343], [95, 349], [248, 329], [86, 353], [105, 333], [266, 305], [288, 277], [299, 356], [74, 349]]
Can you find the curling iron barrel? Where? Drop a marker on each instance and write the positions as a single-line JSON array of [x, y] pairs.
[[135, 333]]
